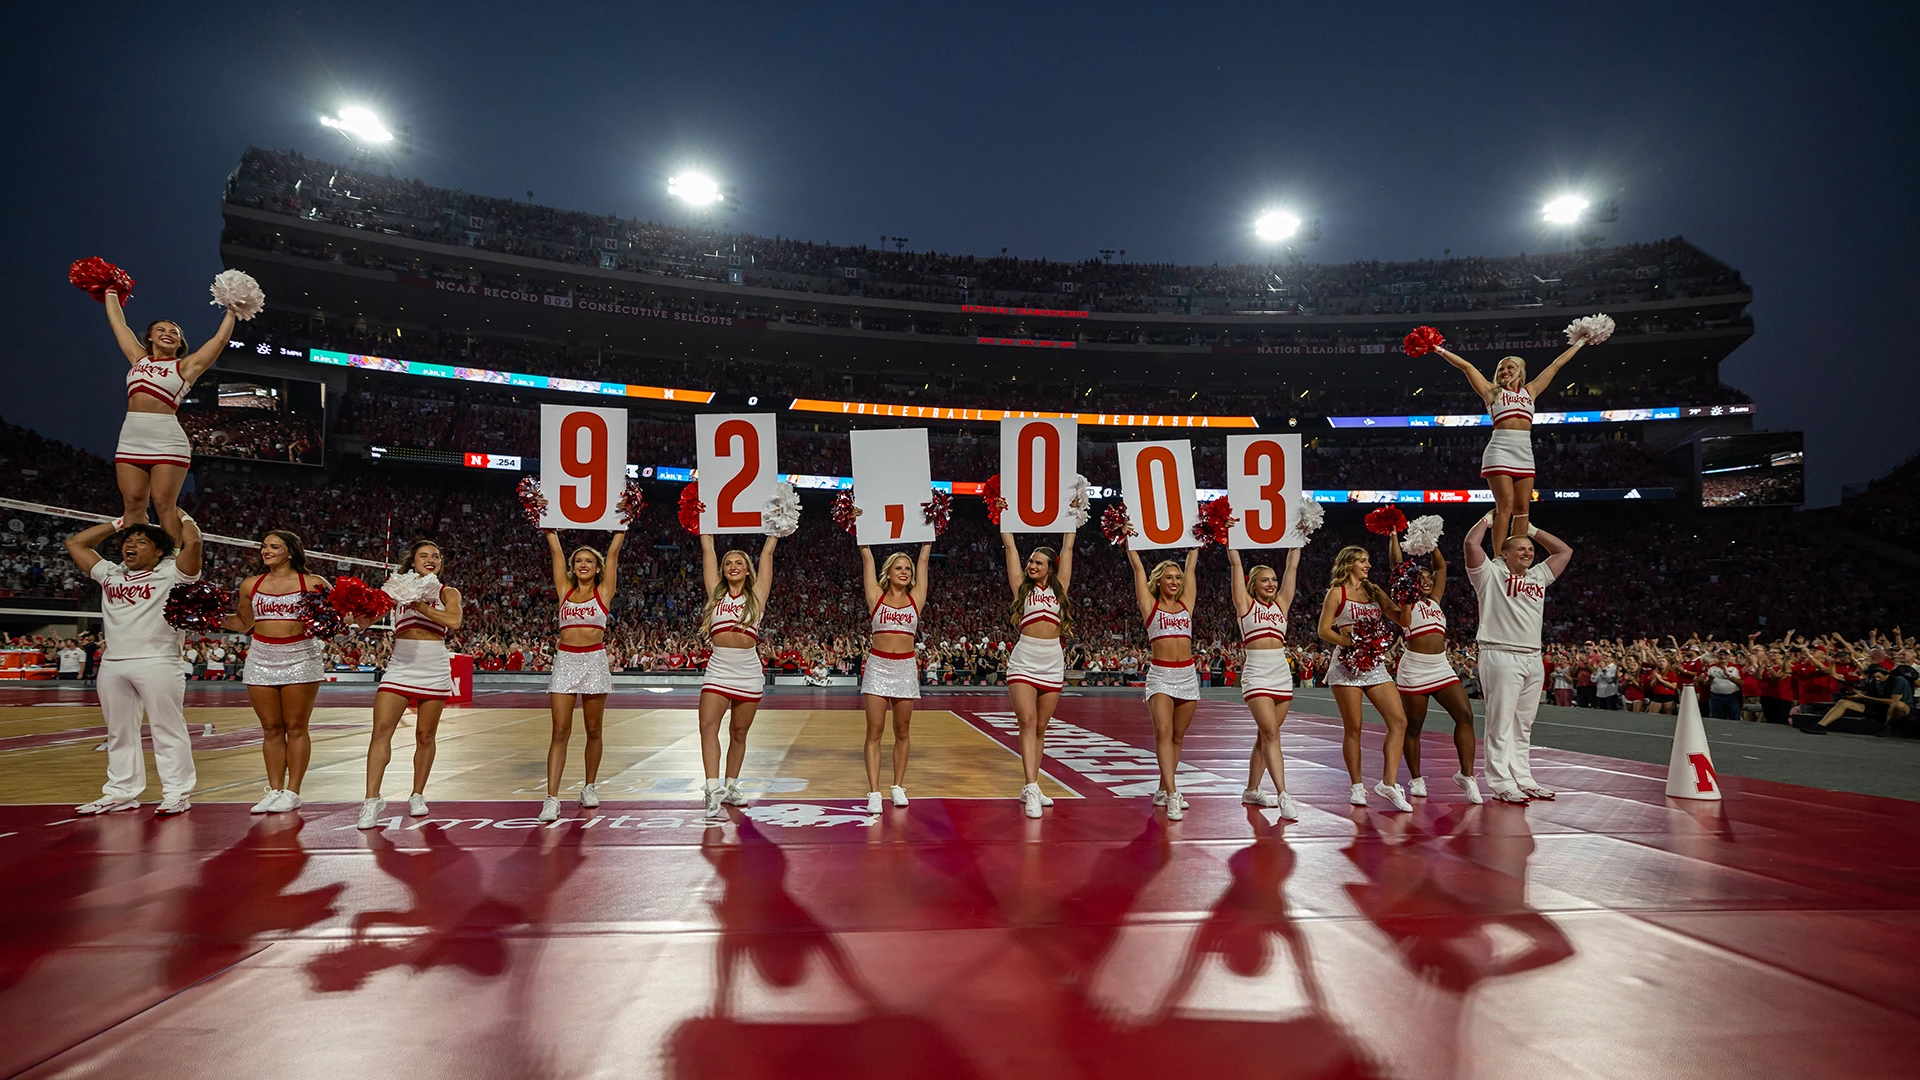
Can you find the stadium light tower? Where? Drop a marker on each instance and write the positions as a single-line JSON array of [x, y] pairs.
[[359, 125], [1564, 210], [1275, 226], [696, 189]]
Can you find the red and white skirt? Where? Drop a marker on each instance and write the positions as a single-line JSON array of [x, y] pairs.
[[1423, 673], [1508, 453], [735, 674], [891, 675], [1179, 681], [1266, 674], [1038, 662], [419, 670], [148, 439]]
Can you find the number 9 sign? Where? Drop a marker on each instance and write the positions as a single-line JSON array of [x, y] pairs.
[[735, 455], [1156, 480], [583, 466], [1263, 487]]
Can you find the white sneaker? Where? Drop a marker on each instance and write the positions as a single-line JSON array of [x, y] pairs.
[[1509, 795], [279, 802], [1287, 808], [899, 795], [1394, 794], [107, 804], [716, 810], [370, 813], [733, 796], [265, 805], [873, 802], [1160, 796], [1255, 797], [1417, 788], [1358, 796], [1030, 800], [1535, 791], [589, 796], [550, 809], [1176, 806], [289, 800], [171, 805], [1045, 800], [417, 805], [1469, 785]]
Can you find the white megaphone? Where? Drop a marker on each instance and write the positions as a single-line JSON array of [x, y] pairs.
[[1690, 772]]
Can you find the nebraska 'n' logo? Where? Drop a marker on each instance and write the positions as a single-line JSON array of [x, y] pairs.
[[798, 815]]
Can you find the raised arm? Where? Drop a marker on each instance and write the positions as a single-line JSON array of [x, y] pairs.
[[1479, 382], [1065, 571], [129, 344], [1477, 554], [1289, 578], [1559, 554], [709, 564], [187, 559], [559, 562], [1394, 557], [610, 580], [202, 358], [1142, 589], [1016, 573], [763, 579], [869, 576], [1237, 583], [1439, 576], [1545, 379], [1191, 590], [920, 567], [81, 545]]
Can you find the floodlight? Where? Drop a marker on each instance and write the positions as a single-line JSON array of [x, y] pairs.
[[1565, 210], [358, 123], [695, 189], [1275, 225]]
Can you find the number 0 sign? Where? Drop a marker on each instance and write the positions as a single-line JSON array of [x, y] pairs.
[[735, 455], [891, 478], [1038, 459], [1156, 480], [1263, 487], [583, 466]]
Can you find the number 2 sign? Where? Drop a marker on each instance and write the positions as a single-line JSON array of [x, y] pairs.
[[583, 466], [1038, 459], [892, 476], [1263, 487], [1156, 480], [735, 456]]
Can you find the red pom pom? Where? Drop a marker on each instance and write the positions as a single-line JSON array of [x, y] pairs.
[[991, 493], [1386, 521], [632, 502], [533, 501], [356, 599], [1115, 525], [691, 508], [844, 511], [201, 606], [1372, 635], [95, 276], [1422, 341], [1216, 521], [1404, 585], [937, 510], [319, 616]]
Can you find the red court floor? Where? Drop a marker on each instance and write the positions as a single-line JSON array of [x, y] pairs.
[[1612, 933]]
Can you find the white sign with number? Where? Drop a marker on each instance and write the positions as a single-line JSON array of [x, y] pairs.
[[1038, 460], [892, 478], [583, 466], [1156, 480], [738, 468], [1263, 487]]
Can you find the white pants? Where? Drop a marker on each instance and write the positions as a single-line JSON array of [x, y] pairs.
[[1511, 682], [153, 684]]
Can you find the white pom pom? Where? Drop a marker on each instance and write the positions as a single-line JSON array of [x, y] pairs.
[[1591, 329], [781, 518], [1423, 535], [1312, 516], [1082, 504], [236, 291], [409, 587]]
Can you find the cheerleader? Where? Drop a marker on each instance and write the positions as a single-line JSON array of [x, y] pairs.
[[1350, 599], [1037, 669], [1424, 670], [1261, 599], [420, 674], [580, 660], [285, 665], [1165, 598], [736, 600], [153, 455], [1507, 464], [891, 677]]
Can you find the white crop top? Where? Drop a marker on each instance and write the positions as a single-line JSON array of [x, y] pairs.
[[589, 614], [1511, 405], [1427, 619], [408, 619], [279, 607], [158, 379], [728, 615], [1352, 610], [1041, 606], [888, 619], [1169, 624], [1263, 622]]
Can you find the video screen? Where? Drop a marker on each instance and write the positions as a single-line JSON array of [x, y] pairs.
[[1753, 470], [257, 418]]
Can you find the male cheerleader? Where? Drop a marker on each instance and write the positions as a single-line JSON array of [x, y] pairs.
[[1512, 592]]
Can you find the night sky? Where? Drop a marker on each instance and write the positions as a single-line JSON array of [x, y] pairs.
[[1781, 142]]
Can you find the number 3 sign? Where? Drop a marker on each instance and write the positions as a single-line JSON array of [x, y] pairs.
[[1263, 487], [583, 466], [1156, 480], [735, 455], [891, 479]]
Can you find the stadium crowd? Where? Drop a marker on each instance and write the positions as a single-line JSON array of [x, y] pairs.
[[256, 434]]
